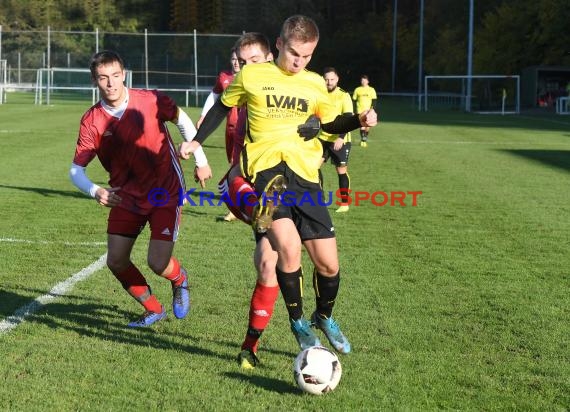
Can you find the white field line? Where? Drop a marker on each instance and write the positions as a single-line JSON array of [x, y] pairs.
[[47, 242], [58, 290]]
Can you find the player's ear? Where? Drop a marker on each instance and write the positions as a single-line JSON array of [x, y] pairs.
[[279, 44], [269, 57]]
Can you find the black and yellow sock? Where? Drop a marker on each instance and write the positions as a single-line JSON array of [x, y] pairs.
[[326, 290], [291, 285], [343, 181]]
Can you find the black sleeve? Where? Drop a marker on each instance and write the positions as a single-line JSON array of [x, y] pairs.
[[342, 124], [212, 120]]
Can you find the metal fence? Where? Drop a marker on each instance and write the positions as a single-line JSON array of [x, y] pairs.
[[185, 64]]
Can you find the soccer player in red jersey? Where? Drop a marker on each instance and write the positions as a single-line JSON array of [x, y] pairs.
[[234, 132], [126, 130]]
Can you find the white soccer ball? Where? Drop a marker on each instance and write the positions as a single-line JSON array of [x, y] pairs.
[[317, 370]]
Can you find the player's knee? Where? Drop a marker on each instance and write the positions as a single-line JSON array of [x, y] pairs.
[[266, 268], [117, 264], [158, 266], [327, 268]]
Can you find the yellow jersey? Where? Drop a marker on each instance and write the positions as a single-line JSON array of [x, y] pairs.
[[343, 104], [363, 96], [278, 102]]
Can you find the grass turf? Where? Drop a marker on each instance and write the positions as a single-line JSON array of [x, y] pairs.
[[460, 302]]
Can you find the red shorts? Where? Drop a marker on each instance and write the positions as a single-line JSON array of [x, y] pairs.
[[164, 222]]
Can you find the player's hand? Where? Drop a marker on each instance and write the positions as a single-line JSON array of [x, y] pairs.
[[338, 143], [187, 148], [310, 129], [108, 197], [201, 174], [368, 118]]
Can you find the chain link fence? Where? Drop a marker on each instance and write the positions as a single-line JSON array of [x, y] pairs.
[[184, 65]]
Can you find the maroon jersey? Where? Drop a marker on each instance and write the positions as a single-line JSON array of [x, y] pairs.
[[234, 133], [137, 149]]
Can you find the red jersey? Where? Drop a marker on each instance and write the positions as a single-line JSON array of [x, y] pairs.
[[234, 133], [137, 149]]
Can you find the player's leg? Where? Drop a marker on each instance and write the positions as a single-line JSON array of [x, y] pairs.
[[262, 301], [234, 211], [164, 225], [340, 160], [241, 193], [122, 231], [326, 282], [285, 240], [364, 136]]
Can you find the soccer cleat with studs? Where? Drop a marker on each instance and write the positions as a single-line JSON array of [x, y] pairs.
[[305, 336], [332, 332], [247, 359], [181, 297], [147, 319], [268, 204]]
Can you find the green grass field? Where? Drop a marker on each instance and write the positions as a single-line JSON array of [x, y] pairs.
[[459, 303]]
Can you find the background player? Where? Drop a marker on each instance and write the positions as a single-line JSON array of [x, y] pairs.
[[365, 98], [233, 134], [252, 48], [337, 147], [280, 96], [126, 130]]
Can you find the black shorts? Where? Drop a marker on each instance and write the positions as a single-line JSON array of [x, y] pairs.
[[303, 202], [338, 157]]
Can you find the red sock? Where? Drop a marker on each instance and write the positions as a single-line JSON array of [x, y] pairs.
[[135, 284], [260, 310], [175, 276], [242, 195]]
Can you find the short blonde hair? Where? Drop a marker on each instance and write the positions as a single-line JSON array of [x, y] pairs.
[[300, 28]]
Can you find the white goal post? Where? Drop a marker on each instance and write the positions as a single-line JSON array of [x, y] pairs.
[[3, 79], [563, 105], [67, 79], [495, 94]]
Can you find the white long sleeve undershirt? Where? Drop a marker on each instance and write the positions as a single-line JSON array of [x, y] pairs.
[[81, 181], [188, 131], [210, 100]]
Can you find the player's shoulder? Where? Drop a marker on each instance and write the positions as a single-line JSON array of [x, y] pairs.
[[314, 76], [224, 74], [341, 90], [141, 93]]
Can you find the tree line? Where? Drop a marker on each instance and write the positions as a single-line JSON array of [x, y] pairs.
[[356, 36]]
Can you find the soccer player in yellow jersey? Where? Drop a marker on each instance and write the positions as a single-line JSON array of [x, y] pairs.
[[337, 146], [365, 98], [280, 96]]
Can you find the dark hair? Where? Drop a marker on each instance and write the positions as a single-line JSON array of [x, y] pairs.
[[329, 69], [251, 38], [364, 76], [104, 57], [301, 28]]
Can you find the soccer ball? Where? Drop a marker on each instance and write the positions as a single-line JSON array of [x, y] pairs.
[[317, 370]]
